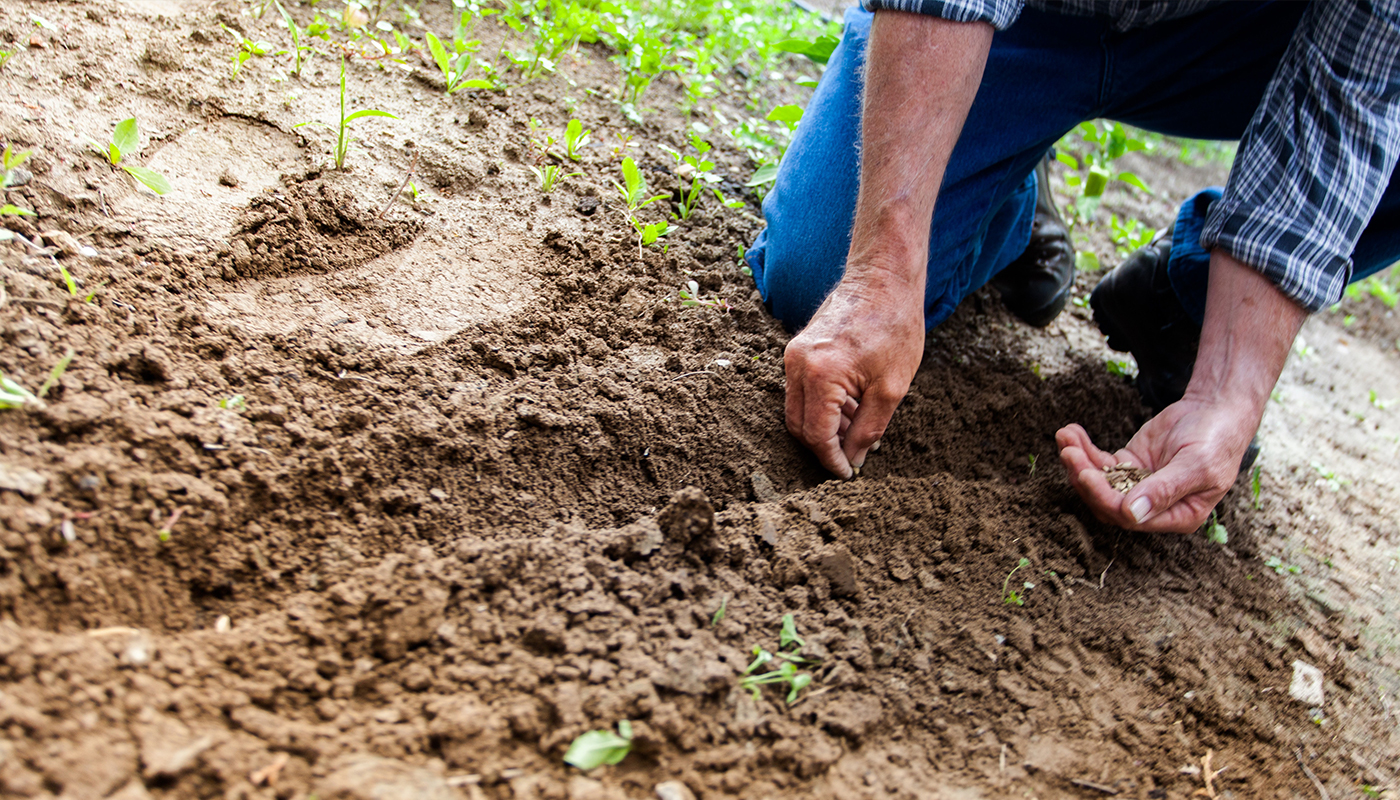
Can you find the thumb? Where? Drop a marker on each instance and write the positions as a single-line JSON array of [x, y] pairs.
[[871, 419], [1155, 499]]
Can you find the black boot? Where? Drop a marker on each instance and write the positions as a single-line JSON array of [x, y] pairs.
[[1037, 284], [1137, 309]]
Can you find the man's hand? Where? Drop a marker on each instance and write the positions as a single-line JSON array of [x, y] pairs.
[[1193, 448], [849, 368], [852, 364]]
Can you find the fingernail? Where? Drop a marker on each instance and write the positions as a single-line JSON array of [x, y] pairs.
[[855, 472], [1140, 508], [875, 446]]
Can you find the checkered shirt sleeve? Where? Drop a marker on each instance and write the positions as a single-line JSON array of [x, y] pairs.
[[1318, 154], [1000, 13]]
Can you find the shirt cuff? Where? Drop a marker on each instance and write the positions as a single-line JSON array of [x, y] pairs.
[[1000, 13], [1278, 248]]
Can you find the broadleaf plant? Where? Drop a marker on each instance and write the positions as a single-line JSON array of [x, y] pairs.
[[126, 139], [596, 748]]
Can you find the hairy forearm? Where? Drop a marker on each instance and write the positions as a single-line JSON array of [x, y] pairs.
[[1248, 331], [921, 78]]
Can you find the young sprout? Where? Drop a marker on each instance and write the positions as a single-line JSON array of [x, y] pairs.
[[1254, 486], [1014, 597], [454, 67], [574, 138], [718, 616], [298, 47], [233, 403], [596, 748], [549, 175], [5, 56], [247, 49], [13, 395], [1215, 532], [72, 284], [690, 297], [126, 140], [633, 192], [342, 142]]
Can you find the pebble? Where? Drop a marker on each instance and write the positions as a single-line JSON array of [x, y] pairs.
[[1306, 687], [674, 790]]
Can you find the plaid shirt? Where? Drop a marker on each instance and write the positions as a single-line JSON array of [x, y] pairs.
[[1316, 157]]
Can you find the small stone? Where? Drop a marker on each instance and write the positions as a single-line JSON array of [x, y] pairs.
[[1306, 686], [63, 240], [364, 777], [900, 569], [25, 481], [674, 790], [19, 176], [763, 489]]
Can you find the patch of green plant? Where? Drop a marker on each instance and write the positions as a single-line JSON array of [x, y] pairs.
[[234, 402], [5, 56], [633, 191], [549, 175], [1031, 459], [454, 67], [1086, 261], [718, 616], [1254, 485], [819, 49], [126, 140], [700, 172], [1121, 368], [789, 652], [1329, 478], [1100, 144], [1215, 532], [1376, 401], [299, 47], [1129, 235], [10, 161], [342, 142], [1012, 596], [690, 298], [13, 395], [72, 284], [248, 49], [1279, 567], [575, 137], [596, 748]]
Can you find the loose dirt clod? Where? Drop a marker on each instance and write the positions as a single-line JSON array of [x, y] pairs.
[[1124, 476]]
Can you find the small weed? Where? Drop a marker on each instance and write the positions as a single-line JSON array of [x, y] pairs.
[[13, 395], [454, 66], [72, 284], [690, 297], [1254, 485], [299, 46], [247, 50], [1014, 597], [1329, 478], [342, 142], [596, 748], [125, 141], [718, 616], [1086, 261], [698, 169], [575, 137], [1031, 458], [633, 192], [5, 56], [1376, 401], [1276, 564], [1122, 369], [1303, 349], [1215, 532], [1370, 791], [787, 637], [1130, 235], [1101, 143], [549, 175], [234, 403], [819, 50], [10, 160]]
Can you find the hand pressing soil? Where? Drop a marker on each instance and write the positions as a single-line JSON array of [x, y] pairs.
[[1124, 476]]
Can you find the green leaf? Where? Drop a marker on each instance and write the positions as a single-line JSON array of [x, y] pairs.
[[1215, 532], [15, 211], [1086, 261], [818, 50], [114, 154], [474, 83], [439, 55], [595, 748], [154, 181], [788, 636], [787, 113], [367, 112], [1133, 180], [633, 179], [1067, 159], [764, 174], [125, 138]]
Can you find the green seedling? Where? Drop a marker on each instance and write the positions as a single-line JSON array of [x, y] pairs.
[[539, 140], [633, 192], [247, 50], [126, 140], [72, 284], [1104, 143], [1254, 485], [1122, 369], [299, 36], [575, 137], [342, 142], [1375, 400], [718, 616], [167, 530], [1329, 478], [1086, 261], [699, 169], [5, 56], [596, 748], [454, 67], [790, 645], [1276, 564], [1031, 458], [1011, 596], [1215, 532], [10, 160], [234, 403], [1130, 235], [550, 174], [690, 298], [13, 395]]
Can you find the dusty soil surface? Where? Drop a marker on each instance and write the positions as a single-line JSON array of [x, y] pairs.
[[490, 485]]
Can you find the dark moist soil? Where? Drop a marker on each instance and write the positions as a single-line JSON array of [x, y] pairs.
[[490, 486]]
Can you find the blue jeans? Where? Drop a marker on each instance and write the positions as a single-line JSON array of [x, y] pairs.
[[1199, 77]]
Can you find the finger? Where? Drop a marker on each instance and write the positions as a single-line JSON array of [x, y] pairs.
[[848, 413], [1075, 436], [821, 428], [876, 408], [1177, 497], [796, 401], [1103, 500]]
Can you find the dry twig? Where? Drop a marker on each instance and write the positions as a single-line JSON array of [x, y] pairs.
[[1312, 776]]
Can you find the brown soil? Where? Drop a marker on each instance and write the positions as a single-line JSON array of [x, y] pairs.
[[490, 483]]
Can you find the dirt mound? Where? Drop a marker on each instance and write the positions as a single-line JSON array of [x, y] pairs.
[[312, 228]]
